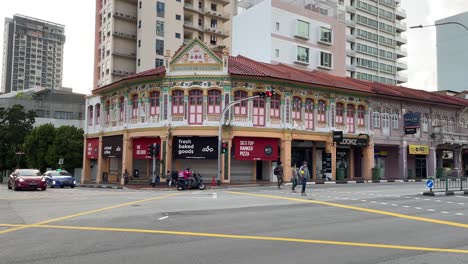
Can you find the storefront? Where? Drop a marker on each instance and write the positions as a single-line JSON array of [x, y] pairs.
[[142, 161], [112, 158], [199, 154], [465, 163], [92, 154], [385, 159], [253, 159], [417, 161], [349, 158]]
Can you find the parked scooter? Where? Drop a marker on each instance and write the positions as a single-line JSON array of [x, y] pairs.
[[190, 180]]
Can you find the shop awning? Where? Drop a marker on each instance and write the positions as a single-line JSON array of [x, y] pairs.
[[255, 148]]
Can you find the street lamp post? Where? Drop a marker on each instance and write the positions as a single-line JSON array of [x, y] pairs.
[[441, 24]]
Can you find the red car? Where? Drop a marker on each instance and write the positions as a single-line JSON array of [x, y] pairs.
[[27, 179]]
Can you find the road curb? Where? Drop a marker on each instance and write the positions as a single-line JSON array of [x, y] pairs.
[[356, 182], [99, 186], [449, 193]]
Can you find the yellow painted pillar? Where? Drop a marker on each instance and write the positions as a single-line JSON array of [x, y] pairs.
[[225, 171], [168, 158], [254, 174], [286, 157], [368, 153], [127, 156], [331, 148], [351, 164]]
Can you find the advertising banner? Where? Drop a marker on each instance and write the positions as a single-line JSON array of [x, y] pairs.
[[255, 148], [418, 150], [140, 147], [195, 147], [411, 119], [112, 146], [92, 148]]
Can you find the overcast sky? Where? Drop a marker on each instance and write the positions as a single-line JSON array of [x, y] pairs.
[[78, 18]]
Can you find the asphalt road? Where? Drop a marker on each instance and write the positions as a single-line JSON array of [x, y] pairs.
[[360, 223]]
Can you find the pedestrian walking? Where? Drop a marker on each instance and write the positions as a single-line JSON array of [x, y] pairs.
[[304, 174], [278, 171], [294, 177], [125, 177]]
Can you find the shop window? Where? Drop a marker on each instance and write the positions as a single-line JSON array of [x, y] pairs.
[[361, 115], [122, 108], [177, 102], [135, 106], [214, 102], [240, 108], [296, 108], [309, 114], [275, 104], [154, 103], [98, 114], [321, 111], [350, 118], [339, 113], [90, 115]]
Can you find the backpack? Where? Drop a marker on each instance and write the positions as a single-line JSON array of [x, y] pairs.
[[276, 171]]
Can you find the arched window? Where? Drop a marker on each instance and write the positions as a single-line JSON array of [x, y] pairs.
[[195, 107], [376, 118], [350, 118], [154, 103], [98, 114], [177, 102], [214, 102], [339, 113], [321, 111], [309, 114], [135, 106], [361, 114], [240, 108], [395, 118], [275, 104], [90, 115], [296, 108], [122, 108]]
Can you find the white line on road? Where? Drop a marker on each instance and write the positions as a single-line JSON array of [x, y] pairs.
[[394, 204], [363, 200], [431, 210], [444, 212], [459, 213], [461, 196], [406, 206], [438, 201], [215, 196], [383, 203], [418, 208], [162, 218], [449, 202], [427, 199], [461, 203]]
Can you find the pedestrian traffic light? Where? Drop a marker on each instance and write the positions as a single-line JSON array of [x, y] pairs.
[[156, 149], [225, 147], [150, 150]]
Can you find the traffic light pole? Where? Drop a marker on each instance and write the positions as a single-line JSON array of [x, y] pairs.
[[220, 134]]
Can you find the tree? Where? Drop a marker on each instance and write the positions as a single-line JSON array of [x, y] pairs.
[[68, 144], [36, 145], [15, 124]]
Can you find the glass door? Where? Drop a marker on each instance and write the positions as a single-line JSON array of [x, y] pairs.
[[420, 167]]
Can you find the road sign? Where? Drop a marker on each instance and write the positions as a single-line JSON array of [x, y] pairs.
[[430, 184], [60, 161]]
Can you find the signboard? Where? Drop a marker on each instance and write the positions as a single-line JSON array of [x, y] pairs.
[[337, 136], [447, 154], [410, 130], [411, 120], [430, 184], [254, 148], [418, 150], [92, 148], [140, 147], [195, 147], [327, 162], [353, 142], [112, 147]]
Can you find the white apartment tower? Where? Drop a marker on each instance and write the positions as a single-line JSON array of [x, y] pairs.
[[134, 35], [375, 38], [32, 54]]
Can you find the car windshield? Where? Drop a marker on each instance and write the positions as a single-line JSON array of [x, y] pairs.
[[29, 173], [61, 173]]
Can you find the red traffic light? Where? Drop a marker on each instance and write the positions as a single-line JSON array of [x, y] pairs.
[[270, 93]]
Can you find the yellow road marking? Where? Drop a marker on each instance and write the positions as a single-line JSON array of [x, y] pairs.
[[374, 211], [245, 237], [85, 213]]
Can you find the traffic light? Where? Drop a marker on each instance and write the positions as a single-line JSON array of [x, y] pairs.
[[156, 149], [150, 150], [225, 147], [270, 93]]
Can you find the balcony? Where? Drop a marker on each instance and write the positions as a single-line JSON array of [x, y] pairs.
[[351, 38], [125, 35], [190, 25], [401, 52], [216, 31], [351, 67], [351, 9], [400, 26], [223, 2], [350, 52], [350, 23], [217, 14], [127, 54], [125, 16], [400, 40], [400, 13], [459, 136], [401, 66], [191, 8], [401, 78]]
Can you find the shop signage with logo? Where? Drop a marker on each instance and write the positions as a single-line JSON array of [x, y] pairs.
[[353, 142], [447, 154], [140, 147], [327, 162], [418, 150], [92, 148], [112, 147], [255, 148], [411, 121], [337, 136], [195, 148]]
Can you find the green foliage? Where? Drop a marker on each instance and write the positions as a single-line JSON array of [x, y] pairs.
[[36, 145], [15, 124], [67, 144]]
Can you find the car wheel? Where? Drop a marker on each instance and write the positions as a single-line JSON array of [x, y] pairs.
[[201, 186], [16, 188], [49, 184], [72, 186], [61, 186], [44, 188]]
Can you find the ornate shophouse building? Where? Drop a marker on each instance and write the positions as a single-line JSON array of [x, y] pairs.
[[178, 106]]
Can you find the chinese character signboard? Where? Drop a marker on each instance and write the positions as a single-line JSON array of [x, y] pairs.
[[92, 148]]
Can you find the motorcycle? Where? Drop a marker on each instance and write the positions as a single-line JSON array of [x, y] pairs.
[[193, 181]]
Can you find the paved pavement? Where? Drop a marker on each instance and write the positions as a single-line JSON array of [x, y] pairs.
[[362, 223]]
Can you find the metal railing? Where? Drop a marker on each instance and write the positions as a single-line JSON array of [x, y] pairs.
[[449, 184]]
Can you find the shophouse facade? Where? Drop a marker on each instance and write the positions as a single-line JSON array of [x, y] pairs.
[[178, 106]]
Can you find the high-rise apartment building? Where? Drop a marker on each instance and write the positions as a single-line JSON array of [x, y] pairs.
[[32, 54], [375, 37], [133, 35], [452, 55]]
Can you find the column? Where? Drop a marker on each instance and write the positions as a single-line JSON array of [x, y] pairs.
[[162, 167], [331, 148], [225, 163], [351, 164], [457, 156], [100, 164], [431, 162], [168, 154], [368, 160], [85, 173], [403, 161], [314, 161], [127, 156], [286, 157]]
